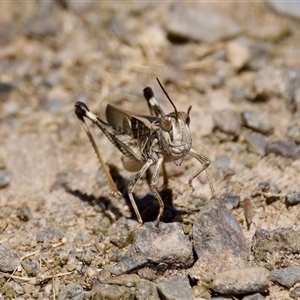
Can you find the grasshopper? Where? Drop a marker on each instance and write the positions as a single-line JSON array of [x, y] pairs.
[[146, 140]]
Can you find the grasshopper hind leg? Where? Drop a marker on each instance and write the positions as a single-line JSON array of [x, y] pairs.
[[132, 185]]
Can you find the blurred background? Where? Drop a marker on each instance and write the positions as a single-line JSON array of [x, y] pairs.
[[237, 63]]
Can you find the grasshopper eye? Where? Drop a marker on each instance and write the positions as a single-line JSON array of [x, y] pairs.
[[166, 123]]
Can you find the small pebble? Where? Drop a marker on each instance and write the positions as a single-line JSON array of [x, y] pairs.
[[242, 281], [255, 296], [286, 276], [256, 143], [111, 291], [9, 259], [175, 288], [5, 178], [24, 213], [227, 121], [50, 234], [30, 267], [293, 197], [198, 22], [284, 148], [295, 293], [257, 122], [72, 291]]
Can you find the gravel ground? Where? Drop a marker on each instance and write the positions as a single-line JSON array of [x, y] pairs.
[[65, 235]]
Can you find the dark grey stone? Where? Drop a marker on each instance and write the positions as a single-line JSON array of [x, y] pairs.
[[175, 288], [284, 148], [216, 231], [255, 296], [146, 289], [293, 197], [30, 267], [286, 276], [218, 241], [9, 259]]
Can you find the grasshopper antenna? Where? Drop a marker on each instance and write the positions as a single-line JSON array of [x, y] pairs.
[[81, 111], [161, 86]]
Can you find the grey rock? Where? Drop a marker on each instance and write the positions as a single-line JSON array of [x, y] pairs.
[[228, 121], [295, 293], [146, 289], [243, 52], [111, 292], [128, 264], [255, 296], [288, 8], [218, 241], [198, 22], [283, 82], [5, 178], [257, 122], [72, 291], [293, 197], [24, 213], [286, 276], [9, 259], [156, 243], [280, 243], [30, 267], [256, 142], [242, 281], [175, 288], [216, 231], [49, 234], [284, 148]]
